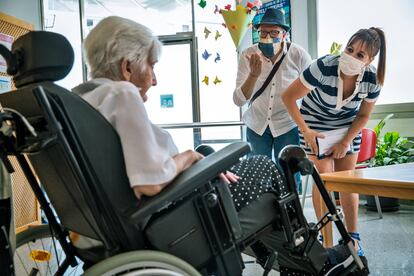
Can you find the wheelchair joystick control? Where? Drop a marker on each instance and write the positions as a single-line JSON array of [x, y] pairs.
[[305, 167], [212, 200]]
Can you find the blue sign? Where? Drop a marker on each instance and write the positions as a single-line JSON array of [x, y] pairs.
[[167, 101]]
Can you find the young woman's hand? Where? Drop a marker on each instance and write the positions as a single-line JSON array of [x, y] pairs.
[[229, 177], [310, 139], [338, 151], [255, 63]]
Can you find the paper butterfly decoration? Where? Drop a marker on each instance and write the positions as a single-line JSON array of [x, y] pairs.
[[206, 32], [218, 58], [205, 80], [206, 55], [218, 35], [216, 80], [202, 3]]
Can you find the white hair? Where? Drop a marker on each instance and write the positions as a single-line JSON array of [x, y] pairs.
[[114, 39]]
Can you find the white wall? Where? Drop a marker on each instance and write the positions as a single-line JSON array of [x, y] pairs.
[[26, 10]]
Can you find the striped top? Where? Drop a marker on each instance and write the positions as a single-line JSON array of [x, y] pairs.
[[324, 108]]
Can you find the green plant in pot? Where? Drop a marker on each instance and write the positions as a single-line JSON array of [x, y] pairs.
[[392, 149]]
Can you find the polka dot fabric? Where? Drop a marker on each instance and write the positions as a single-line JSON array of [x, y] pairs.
[[258, 175]]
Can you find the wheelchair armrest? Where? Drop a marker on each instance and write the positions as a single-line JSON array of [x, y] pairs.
[[194, 177]]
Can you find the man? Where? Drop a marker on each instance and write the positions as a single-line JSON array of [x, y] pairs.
[[269, 125]]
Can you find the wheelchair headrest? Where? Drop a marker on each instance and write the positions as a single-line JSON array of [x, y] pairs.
[[38, 56]]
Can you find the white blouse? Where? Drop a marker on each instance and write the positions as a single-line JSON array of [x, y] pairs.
[[147, 149]]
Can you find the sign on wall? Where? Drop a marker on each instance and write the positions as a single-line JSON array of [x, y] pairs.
[[277, 4]]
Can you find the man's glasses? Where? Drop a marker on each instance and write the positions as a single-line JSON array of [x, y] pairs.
[[272, 33]]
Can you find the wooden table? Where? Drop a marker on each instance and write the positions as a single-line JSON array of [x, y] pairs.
[[395, 181]]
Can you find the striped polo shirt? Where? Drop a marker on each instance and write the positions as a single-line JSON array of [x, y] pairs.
[[324, 108]]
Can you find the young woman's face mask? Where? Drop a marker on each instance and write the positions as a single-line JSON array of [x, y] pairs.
[[349, 65]]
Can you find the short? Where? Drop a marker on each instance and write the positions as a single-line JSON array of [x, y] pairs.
[[356, 143]]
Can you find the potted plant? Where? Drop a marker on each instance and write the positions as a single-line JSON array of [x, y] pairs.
[[392, 149]]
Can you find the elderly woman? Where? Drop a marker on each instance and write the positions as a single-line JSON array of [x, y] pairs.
[[122, 69]]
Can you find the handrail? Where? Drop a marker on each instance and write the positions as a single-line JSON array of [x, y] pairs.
[[200, 125]]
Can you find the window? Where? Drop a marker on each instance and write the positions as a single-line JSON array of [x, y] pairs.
[[180, 97], [175, 14], [63, 17], [338, 20]]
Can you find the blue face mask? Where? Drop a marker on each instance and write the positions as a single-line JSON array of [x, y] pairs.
[[267, 46]]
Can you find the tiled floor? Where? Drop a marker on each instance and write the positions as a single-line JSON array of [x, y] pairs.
[[388, 243]]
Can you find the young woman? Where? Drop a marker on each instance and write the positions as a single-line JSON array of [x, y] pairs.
[[339, 92]]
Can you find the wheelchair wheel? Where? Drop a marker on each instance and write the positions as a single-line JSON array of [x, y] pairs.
[[38, 253], [142, 263]]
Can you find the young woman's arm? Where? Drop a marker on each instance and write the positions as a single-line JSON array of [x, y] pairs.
[[183, 161], [339, 150], [294, 92]]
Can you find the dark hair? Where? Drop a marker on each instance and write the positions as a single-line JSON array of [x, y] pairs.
[[374, 39]]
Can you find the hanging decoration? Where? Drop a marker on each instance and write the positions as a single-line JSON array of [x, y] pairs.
[[202, 3], [206, 55], [239, 20], [205, 80], [216, 80], [218, 35], [206, 32], [216, 9], [218, 58]]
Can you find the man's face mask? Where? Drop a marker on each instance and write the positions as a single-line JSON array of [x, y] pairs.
[[268, 44]]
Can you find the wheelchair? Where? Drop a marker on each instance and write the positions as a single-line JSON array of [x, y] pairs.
[[69, 152]]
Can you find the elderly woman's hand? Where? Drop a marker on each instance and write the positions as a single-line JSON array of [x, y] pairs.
[[229, 177]]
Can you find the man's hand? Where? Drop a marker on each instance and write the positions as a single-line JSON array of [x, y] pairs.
[[255, 63]]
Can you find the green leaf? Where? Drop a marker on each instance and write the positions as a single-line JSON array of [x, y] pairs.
[[387, 161], [391, 137], [335, 48], [381, 124]]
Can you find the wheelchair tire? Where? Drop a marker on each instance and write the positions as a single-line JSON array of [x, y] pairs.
[[142, 263], [38, 240]]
